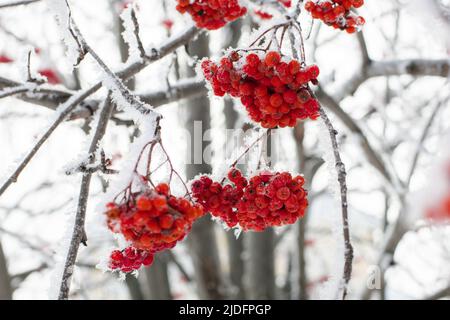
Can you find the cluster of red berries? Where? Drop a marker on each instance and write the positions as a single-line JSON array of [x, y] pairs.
[[212, 14], [153, 220], [272, 199], [337, 13], [218, 199], [129, 259], [274, 92], [265, 200]]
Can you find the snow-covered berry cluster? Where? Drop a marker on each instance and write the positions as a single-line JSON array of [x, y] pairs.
[[272, 199], [274, 91], [152, 220], [129, 259], [265, 200], [212, 14], [337, 13]]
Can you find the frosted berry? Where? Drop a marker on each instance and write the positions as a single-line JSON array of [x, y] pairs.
[[337, 13], [129, 259], [153, 219], [275, 93], [212, 14], [265, 200]]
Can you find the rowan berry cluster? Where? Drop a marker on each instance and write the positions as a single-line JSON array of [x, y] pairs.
[[218, 199], [129, 259], [274, 91], [337, 13], [212, 14], [272, 199], [153, 220], [265, 200]]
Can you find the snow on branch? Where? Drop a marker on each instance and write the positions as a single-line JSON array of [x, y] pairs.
[[62, 16], [130, 34]]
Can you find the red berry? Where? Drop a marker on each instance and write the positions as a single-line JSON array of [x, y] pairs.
[[272, 58]]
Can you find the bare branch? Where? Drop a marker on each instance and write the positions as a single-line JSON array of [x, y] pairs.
[[73, 101]]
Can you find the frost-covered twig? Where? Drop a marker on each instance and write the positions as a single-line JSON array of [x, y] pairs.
[[17, 3], [73, 101], [118, 85], [10, 91], [79, 234], [386, 68], [90, 167], [341, 173], [136, 33]]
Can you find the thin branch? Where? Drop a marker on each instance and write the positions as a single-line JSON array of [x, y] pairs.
[[364, 51], [73, 101], [422, 139], [10, 91], [17, 3], [351, 124], [136, 33], [340, 168], [79, 235], [415, 67], [67, 109]]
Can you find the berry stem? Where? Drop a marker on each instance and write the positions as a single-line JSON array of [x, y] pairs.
[[266, 133]]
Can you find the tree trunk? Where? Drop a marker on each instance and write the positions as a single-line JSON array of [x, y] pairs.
[[134, 287], [158, 279], [260, 269], [299, 134], [202, 239], [5, 280]]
